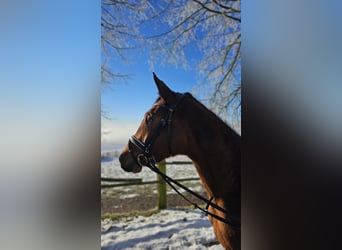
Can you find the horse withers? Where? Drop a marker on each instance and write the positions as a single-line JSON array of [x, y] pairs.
[[179, 124]]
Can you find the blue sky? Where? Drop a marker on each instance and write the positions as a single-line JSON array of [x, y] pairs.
[[49, 60], [126, 103], [130, 100], [51, 63], [50, 71]]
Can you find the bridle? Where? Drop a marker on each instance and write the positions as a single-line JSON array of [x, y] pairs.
[[147, 159]]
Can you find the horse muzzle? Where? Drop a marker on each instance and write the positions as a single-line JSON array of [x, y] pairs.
[[128, 163]]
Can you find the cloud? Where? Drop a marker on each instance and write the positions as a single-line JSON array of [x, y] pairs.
[[117, 132]]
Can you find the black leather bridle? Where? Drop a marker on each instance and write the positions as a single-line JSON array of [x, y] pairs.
[[145, 158]]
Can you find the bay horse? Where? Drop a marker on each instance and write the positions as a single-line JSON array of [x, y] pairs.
[[179, 124]]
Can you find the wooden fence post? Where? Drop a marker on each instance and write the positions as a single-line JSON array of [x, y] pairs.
[[161, 186]]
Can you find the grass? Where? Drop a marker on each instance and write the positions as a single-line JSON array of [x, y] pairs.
[[115, 216], [114, 196]]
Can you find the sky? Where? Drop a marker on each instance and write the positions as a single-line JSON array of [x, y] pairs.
[[49, 67], [61, 58], [49, 61], [125, 102]]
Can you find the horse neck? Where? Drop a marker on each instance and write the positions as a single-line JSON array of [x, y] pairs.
[[215, 150]]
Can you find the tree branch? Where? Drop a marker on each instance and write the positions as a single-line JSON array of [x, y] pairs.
[[217, 12], [175, 27], [227, 7]]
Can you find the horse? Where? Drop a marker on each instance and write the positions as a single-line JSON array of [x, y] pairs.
[[178, 124]]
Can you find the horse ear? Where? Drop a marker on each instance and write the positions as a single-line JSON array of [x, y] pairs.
[[164, 91]]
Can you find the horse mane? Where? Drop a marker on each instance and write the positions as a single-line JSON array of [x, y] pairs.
[[213, 116], [210, 113], [221, 129]]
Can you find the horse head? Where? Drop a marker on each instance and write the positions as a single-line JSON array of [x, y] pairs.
[[160, 133]]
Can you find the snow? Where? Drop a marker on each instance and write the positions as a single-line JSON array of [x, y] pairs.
[[113, 169], [128, 196], [168, 229]]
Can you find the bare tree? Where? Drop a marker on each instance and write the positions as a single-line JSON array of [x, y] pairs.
[[197, 34], [211, 29], [120, 22]]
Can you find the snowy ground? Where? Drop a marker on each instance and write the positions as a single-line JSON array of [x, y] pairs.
[[169, 229], [114, 199], [110, 167]]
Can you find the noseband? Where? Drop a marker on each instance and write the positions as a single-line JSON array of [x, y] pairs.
[[145, 158]]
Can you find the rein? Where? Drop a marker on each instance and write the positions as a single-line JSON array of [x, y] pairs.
[[147, 159], [209, 202]]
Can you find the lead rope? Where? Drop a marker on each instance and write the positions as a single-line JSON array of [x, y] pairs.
[[171, 181]]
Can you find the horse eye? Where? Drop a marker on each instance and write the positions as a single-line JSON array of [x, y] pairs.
[[149, 119]]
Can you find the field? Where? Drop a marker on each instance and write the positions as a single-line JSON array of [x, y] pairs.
[[141, 198], [169, 229], [177, 227]]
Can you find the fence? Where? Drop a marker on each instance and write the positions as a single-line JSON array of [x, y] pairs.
[[161, 184]]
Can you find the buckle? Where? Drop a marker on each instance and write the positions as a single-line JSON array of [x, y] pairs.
[[142, 160]]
